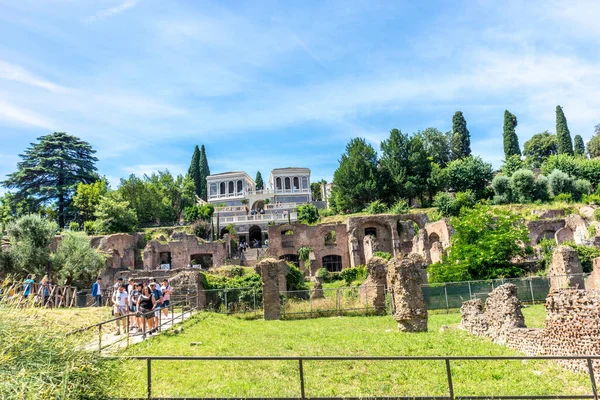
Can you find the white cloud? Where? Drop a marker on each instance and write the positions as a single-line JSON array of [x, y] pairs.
[[109, 12], [18, 74], [21, 116]]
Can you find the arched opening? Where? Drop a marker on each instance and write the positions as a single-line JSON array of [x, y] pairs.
[[222, 188], [165, 260], [293, 258], [259, 207], [332, 263], [201, 260], [239, 186], [288, 184], [230, 187], [278, 183], [305, 182], [371, 232], [255, 236], [549, 234], [213, 189], [330, 237], [287, 232], [434, 237], [296, 183]]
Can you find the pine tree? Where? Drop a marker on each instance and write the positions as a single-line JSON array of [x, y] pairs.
[[204, 173], [51, 169], [579, 146], [194, 171], [461, 139], [565, 144], [511, 141], [259, 181]]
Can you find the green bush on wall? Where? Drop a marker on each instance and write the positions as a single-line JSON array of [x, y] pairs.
[[383, 254]]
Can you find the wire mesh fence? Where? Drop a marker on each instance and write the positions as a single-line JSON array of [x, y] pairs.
[[246, 300]]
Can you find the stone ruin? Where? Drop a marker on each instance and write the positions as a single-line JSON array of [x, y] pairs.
[[273, 273], [317, 292], [572, 325], [404, 279], [373, 288], [565, 270]]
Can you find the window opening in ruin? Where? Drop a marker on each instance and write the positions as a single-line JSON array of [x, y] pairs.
[[293, 258], [332, 263], [165, 260], [255, 236], [371, 232], [330, 237], [223, 232], [201, 260], [288, 232], [434, 237], [546, 235]]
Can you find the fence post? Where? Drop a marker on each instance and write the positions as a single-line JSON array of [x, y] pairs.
[[591, 372], [449, 374], [128, 331], [254, 297], [470, 294], [301, 369], [337, 300], [99, 338], [226, 306], [446, 295], [310, 301], [531, 290], [149, 377]]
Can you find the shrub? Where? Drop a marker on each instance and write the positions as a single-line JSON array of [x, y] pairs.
[[564, 197], [30, 237], [449, 206], [541, 189], [74, 226], [560, 182], [324, 274], [295, 279], [443, 202], [581, 187], [308, 214], [522, 185], [586, 255], [113, 214], [400, 207], [546, 248], [376, 207], [591, 199], [353, 274], [89, 227], [77, 262], [501, 199], [597, 214], [327, 212], [201, 229], [501, 186], [383, 254], [592, 230]]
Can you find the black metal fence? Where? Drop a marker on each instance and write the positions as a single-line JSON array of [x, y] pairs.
[[447, 362]]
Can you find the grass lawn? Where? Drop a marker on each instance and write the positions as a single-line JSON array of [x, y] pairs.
[[336, 336]]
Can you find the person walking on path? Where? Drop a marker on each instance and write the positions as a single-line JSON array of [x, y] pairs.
[[158, 299], [120, 308], [145, 306], [27, 285], [133, 299], [166, 290], [44, 290], [97, 292]]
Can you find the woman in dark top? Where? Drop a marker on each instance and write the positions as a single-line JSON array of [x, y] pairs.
[[145, 306]]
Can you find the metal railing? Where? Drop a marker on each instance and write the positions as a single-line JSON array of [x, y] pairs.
[[187, 306], [447, 360]]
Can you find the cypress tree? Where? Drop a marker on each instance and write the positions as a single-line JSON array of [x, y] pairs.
[[204, 172], [461, 139], [579, 146], [194, 171], [565, 144], [259, 181], [511, 141]]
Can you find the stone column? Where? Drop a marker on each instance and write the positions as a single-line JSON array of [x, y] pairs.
[[404, 280], [374, 286], [565, 270], [271, 271]]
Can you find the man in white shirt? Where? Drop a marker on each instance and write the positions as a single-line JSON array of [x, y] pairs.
[[120, 307]]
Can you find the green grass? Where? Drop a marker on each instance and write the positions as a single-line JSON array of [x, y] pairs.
[[337, 336]]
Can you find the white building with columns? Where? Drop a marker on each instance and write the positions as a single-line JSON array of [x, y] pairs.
[[250, 210]]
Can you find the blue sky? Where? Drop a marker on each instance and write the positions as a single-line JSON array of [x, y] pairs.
[[266, 84]]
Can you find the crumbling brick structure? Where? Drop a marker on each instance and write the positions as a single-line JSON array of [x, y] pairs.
[[404, 280], [565, 270], [373, 288], [273, 273]]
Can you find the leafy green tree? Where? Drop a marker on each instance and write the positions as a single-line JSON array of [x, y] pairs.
[[511, 141], [485, 242], [470, 173], [512, 164], [308, 214], [30, 237], [541, 188], [461, 138], [204, 173], [114, 214], [522, 184], [87, 197], [448, 205], [438, 145], [502, 189], [355, 180], [51, 169], [436, 181], [560, 182], [194, 171], [579, 147], [593, 146], [5, 215], [565, 143], [78, 263], [260, 185], [539, 148], [418, 168], [315, 188]]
